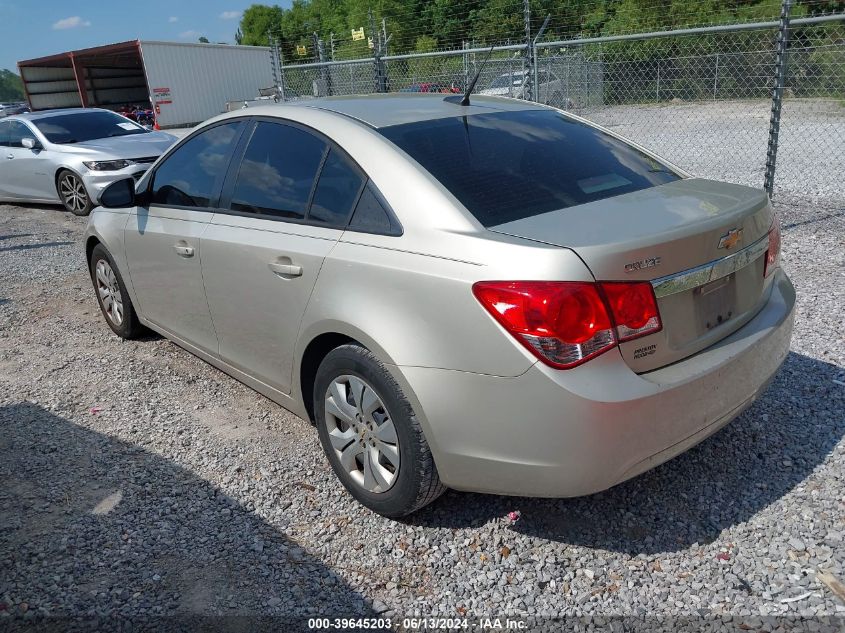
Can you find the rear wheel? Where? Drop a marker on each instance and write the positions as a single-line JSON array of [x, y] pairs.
[[370, 434], [73, 194], [114, 301]]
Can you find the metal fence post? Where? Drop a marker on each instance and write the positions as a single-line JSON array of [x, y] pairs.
[[536, 62], [376, 65], [658, 82], [716, 77], [529, 56], [777, 95]]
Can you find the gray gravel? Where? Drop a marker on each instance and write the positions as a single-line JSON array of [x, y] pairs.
[[726, 140], [137, 480]]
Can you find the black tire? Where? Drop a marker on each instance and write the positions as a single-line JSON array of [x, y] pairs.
[[129, 327], [417, 483], [73, 194]]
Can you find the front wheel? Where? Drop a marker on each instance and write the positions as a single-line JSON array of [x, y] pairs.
[[370, 434], [112, 297], [73, 193]]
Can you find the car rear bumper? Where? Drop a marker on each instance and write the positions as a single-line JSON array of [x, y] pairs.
[[569, 433]]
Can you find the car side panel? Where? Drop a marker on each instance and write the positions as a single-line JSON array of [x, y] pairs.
[[420, 308], [168, 285], [256, 311]]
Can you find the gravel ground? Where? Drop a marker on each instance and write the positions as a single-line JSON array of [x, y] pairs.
[[135, 480], [726, 140]]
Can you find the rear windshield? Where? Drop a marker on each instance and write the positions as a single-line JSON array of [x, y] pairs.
[[506, 166], [85, 126]]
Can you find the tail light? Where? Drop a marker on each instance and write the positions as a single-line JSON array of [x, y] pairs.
[[634, 308], [567, 323], [773, 254]]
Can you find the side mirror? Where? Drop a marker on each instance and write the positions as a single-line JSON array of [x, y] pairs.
[[119, 195], [30, 143]]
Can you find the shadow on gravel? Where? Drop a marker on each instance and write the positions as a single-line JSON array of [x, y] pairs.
[[731, 476], [99, 529], [29, 247], [11, 236]]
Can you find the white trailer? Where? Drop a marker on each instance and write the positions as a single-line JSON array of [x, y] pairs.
[[185, 83]]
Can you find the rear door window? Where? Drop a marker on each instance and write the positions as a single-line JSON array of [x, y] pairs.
[[505, 166], [337, 191], [4, 133], [191, 175], [277, 173]]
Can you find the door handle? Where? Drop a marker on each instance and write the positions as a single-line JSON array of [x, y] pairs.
[[10, 156], [184, 251], [285, 270]]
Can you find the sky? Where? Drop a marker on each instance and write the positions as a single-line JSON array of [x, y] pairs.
[[35, 28]]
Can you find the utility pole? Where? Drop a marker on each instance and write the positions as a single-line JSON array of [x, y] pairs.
[[331, 44], [529, 54]]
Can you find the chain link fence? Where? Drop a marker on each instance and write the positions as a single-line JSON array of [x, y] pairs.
[[704, 98]]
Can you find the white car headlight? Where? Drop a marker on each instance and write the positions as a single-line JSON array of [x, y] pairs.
[[106, 165]]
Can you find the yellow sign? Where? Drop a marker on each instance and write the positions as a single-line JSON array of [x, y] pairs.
[[358, 34], [301, 50], [370, 42]]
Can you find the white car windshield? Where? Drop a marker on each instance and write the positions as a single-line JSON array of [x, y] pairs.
[[86, 126]]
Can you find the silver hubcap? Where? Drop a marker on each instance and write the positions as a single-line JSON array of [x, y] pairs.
[[109, 291], [362, 433], [73, 192]]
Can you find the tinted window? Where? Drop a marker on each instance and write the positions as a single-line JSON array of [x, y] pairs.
[[371, 217], [189, 176], [86, 126], [510, 165], [337, 190], [278, 171], [4, 133], [17, 133]]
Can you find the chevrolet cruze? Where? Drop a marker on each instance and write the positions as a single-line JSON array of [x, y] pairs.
[[496, 296]]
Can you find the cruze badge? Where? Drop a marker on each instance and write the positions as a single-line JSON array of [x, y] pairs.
[[648, 262], [730, 239]]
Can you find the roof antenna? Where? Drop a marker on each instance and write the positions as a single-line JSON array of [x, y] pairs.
[[464, 101]]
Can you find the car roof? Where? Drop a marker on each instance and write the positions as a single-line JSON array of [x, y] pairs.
[[44, 114], [385, 110]]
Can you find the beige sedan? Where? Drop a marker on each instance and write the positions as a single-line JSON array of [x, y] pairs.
[[496, 297]]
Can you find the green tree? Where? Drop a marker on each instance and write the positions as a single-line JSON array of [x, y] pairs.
[[11, 86], [257, 21], [203, 39]]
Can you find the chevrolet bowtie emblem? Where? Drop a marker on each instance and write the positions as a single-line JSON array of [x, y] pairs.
[[730, 239]]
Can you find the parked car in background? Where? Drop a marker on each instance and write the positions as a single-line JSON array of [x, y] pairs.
[[552, 90], [8, 109], [431, 87], [452, 293], [71, 155]]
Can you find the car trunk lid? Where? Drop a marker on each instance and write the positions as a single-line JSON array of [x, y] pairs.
[[701, 243]]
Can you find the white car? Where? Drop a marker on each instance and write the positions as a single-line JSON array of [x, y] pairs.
[[552, 90]]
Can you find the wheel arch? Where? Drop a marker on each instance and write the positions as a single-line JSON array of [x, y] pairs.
[[323, 338], [90, 245], [58, 173]]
